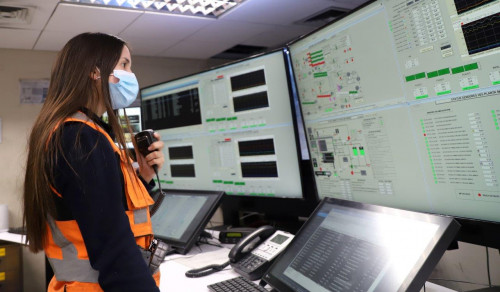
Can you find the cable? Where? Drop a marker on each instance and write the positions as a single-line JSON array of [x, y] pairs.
[[205, 271], [161, 195], [488, 266], [457, 281]]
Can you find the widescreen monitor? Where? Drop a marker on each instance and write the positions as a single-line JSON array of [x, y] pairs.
[[401, 102], [351, 246], [230, 129]]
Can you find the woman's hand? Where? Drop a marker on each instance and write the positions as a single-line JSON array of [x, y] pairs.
[[156, 157]]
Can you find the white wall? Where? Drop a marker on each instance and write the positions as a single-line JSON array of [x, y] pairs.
[[17, 120]]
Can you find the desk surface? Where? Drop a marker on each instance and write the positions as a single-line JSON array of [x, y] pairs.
[[12, 237], [173, 269]]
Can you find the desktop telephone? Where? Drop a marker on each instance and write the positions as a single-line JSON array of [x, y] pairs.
[[253, 263], [252, 255]]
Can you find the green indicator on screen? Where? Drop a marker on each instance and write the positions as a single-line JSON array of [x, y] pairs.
[[444, 92], [353, 92], [496, 82], [222, 130], [328, 110], [457, 70], [355, 151], [212, 131], [362, 151], [239, 183], [244, 127], [471, 87], [262, 125], [420, 75], [229, 182], [271, 195], [321, 74], [241, 194], [210, 120], [472, 66], [422, 96], [234, 128], [432, 74], [220, 119], [444, 71], [410, 78], [253, 194], [229, 193], [169, 182], [216, 181]]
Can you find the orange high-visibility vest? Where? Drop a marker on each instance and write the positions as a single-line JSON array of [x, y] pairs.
[[65, 248]]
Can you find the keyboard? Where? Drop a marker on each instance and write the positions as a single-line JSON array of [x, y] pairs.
[[238, 284]]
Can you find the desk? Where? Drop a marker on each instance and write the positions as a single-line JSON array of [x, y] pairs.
[[173, 269], [12, 237]]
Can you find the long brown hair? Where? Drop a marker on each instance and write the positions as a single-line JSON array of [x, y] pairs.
[[71, 88]]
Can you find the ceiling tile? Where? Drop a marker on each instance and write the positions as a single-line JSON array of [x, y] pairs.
[[282, 12], [153, 33], [18, 38], [278, 36], [163, 25], [53, 40], [229, 31], [195, 49], [81, 18], [147, 45]]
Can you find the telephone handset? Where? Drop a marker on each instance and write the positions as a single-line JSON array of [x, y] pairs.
[[248, 259], [243, 246], [252, 261]]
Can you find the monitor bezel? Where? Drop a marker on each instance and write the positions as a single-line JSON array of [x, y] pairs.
[[474, 230], [199, 222], [415, 279]]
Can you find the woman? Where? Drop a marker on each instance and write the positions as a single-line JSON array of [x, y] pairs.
[[84, 204]]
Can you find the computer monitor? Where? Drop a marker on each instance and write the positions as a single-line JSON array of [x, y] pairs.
[[351, 246], [182, 217], [401, 106], [230, 128]]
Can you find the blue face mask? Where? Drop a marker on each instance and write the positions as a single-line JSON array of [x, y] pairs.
[[125, 91]]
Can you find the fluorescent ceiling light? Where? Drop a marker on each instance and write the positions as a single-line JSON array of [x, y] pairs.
[[203, 8]]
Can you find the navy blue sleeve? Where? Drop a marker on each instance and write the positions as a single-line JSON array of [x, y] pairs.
[[149, 186], [92, 191]]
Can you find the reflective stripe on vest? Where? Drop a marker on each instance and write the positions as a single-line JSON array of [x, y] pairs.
[[70, 268], [65, 248]]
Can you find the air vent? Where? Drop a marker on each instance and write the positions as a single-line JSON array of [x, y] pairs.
[[239, 52], [15, 15], [323, 17]]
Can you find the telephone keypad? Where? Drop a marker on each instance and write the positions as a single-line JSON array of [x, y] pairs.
[[251, 262]]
